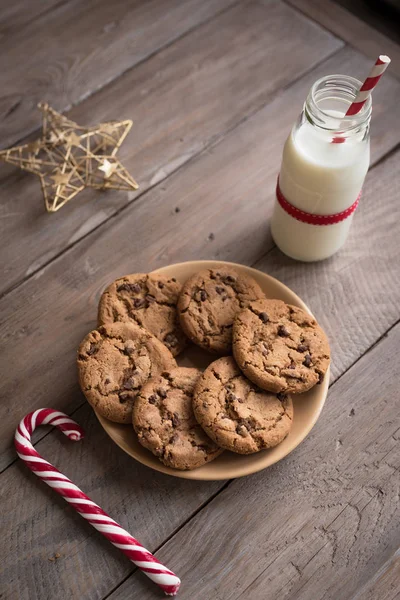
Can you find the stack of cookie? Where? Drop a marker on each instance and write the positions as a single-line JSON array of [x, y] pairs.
[[128, 372]]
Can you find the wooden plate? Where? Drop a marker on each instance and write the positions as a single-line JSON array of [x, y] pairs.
[[307, 407]]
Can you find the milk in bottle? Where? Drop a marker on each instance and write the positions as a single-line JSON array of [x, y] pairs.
[[324, 163]]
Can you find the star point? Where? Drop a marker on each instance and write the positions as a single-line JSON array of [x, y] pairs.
[[67, 157], [61, 178], [72, 139], [108, 168]]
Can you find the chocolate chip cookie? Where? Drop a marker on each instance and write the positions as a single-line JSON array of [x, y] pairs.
[[280, 347], [149, 301], [237, 414], [209, 301], [114, 361], [164, 421]]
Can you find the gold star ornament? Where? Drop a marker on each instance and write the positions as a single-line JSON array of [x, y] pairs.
[[68, 158]]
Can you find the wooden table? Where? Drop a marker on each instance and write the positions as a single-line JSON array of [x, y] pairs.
[[213, 88]]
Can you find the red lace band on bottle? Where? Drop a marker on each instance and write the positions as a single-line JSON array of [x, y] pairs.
[[310, 218]]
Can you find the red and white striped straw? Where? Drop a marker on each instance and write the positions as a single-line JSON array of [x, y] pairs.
[[90, 511], [369, 84]]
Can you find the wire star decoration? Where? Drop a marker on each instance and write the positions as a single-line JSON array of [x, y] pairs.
[[68, 158]]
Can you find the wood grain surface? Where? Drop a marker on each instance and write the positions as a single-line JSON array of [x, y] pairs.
[[316, 524], [228, 192], [79, 47], [340, 325], [351, 29], [384, 585], [14, 16], [182, 100], [149, 505], [356, 294], [213, 88]]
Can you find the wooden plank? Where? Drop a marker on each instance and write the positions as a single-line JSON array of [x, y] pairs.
[[40, 525], [14, 15], [227, 191], [101, 470], [315, 525], [350, 28], [360, 275], [181, 100], [79, 47], [385, 584], [385, 19]]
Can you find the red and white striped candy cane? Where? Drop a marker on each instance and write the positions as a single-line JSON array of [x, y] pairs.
[[365, 90], [88, 509]]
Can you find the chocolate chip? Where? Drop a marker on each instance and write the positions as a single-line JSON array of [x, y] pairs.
[[220, 290], [203, 447], [135, 288], [171, 340], [92, 349], [292, 365], [152, 399], [224, 298], [128, 383], [175, 420], [107, 381], [129, 350], [173, 279], [212, 275], [123, 397], [282, 331], [231, 397], [150, 299], [230, 279], [138, 303], [158, 451], [264, 317], [203, 295], [320, 377], [241, 430], [307, 360], [281, 396], [302, 348], [160, 285], [162, 393], [124, 287]]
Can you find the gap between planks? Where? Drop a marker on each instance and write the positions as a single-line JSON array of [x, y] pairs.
[[253, 265], [228, 483], [104, 84], [211, 144], [255, 259], [350, 247], [10, 27], [335, 19]]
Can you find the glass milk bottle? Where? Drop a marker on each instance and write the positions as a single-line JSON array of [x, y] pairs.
[[324, 163]]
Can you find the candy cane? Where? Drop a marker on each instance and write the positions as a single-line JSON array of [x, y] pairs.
[[90, 511]]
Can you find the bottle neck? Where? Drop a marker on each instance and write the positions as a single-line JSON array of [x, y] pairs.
[[328, 102]]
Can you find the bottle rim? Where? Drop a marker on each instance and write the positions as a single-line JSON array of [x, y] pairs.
[[343, 90]]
